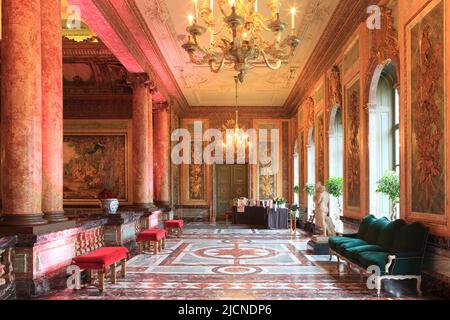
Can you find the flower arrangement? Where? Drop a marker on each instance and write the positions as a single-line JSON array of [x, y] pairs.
[[279, 201]]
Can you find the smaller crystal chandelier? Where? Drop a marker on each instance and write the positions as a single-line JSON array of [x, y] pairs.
[[242, 43], [239, 136]]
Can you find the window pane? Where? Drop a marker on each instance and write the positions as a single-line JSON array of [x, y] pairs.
[[397, 108], [397, 147]]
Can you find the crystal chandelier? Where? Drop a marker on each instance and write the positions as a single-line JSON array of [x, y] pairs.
[[239, 136], [242, 30]]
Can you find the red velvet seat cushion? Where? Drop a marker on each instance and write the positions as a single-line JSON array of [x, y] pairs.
[[229, 213], [174, 224], [151, 235], [101, 258]]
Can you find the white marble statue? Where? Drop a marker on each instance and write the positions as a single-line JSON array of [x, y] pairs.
[[324, 222]]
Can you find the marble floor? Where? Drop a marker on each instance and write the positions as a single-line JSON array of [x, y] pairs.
[[238, 263]]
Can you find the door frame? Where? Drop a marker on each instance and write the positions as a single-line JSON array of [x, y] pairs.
[[214, 192]]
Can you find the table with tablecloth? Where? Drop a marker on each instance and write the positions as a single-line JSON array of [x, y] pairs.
[[267, 218]]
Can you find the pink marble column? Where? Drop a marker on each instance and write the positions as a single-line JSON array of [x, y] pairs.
[[21, 113], [150, 149], [142, 176], [161, 148], [52, 111]]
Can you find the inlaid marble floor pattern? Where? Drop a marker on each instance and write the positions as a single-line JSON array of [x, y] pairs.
[[237, 264]]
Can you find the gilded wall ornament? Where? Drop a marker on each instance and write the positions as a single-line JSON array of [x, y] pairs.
[[335, 88]]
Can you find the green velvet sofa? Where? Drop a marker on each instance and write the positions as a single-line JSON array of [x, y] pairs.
[[396, 248]]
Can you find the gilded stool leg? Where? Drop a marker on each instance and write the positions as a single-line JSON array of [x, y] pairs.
[[114, 273], [163, 243], [155, 247], [139, 247], [101, 280], [124, 267]]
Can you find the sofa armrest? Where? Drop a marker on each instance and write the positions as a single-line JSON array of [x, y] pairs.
[[405, 263]]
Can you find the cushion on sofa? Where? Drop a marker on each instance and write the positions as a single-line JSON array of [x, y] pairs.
[[334, 241], [364, 227], [354, 253], [375, 230], [342, 247], [411, 238], [372, 258], [388, 234]]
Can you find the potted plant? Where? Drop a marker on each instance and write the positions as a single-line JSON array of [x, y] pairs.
[[296, 189], [310, 189], [335, 187], [389, 185], [109, 201]]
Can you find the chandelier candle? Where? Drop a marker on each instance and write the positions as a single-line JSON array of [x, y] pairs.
[[243, 42], [293, 12]]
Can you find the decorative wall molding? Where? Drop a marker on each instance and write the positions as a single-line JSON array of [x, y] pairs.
[[345, 20]]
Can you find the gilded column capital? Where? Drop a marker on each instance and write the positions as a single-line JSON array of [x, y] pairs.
[[138, 80]]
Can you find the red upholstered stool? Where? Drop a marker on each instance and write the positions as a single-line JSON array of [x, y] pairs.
[[156, 237], [228, 214], [102, 260], [177, 225]]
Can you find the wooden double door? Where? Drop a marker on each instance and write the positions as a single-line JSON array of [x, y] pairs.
[[231, 183]]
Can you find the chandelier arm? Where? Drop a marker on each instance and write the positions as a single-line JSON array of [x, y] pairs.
[[262, 22], [221, 64], [222, 10], [275, 66]]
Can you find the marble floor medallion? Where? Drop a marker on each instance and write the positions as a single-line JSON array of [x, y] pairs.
[[223, 263]]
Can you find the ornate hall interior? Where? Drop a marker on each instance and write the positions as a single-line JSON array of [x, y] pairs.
[[225, 150]]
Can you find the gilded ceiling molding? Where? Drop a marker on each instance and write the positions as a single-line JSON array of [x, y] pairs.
[[345, 20]]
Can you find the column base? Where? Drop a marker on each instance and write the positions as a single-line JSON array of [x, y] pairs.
[[22, 220], [149, 205], [162, 204], [56, 216]]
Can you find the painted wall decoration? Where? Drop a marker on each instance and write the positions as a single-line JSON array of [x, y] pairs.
[[426, 91], [335, 88], [353, 145], [267, 181], [320, 148], [195, 175], [92, 163]]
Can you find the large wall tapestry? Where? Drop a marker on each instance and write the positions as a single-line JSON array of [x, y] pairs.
[[196, 182], [353, 145], [92, 163], [320, 148], [267, 180], [425, 38]]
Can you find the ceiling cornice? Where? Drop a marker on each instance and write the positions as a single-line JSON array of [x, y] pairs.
[[156, 65], [345, 20], [244, 112]]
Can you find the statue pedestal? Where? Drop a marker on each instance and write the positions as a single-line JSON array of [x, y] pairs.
[[319, 245]]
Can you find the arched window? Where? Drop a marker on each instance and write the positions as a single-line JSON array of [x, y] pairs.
[[384, 151], [311, 168], [296, 181], [336, 154]]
